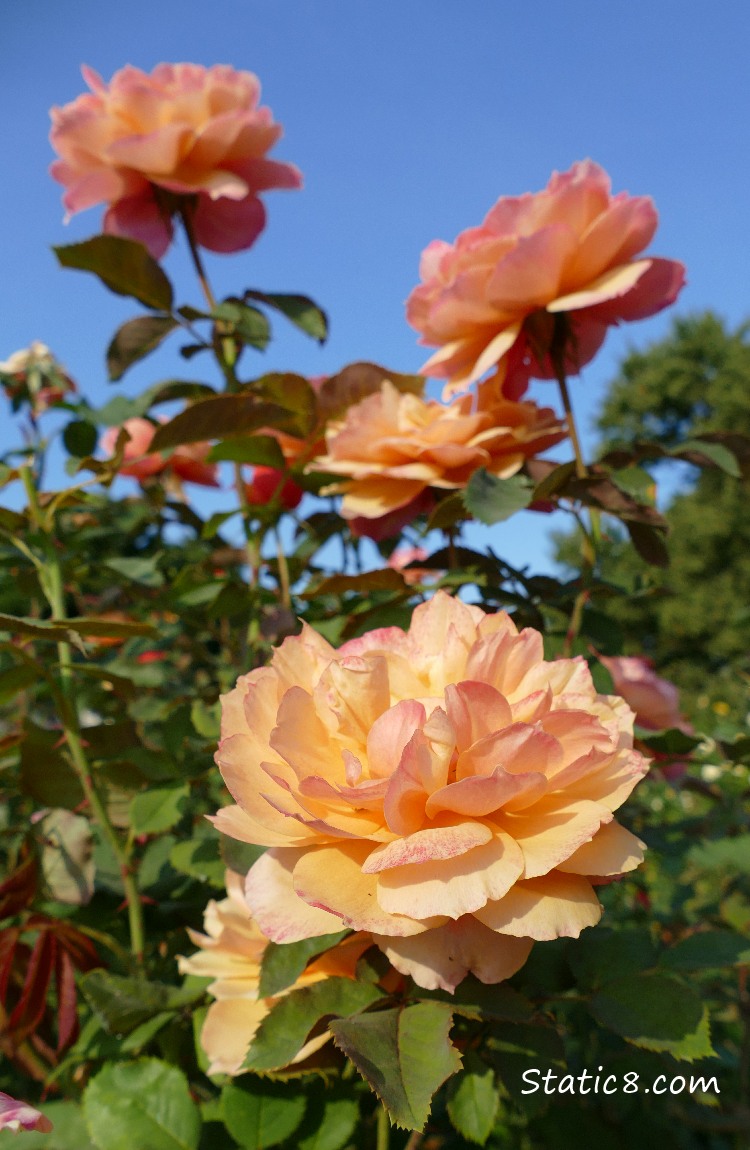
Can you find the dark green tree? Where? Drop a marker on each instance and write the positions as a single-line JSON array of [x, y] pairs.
[[692, 618]]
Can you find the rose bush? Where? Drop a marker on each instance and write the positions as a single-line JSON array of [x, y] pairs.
[[569, 251], [182, 137], [445, 789], [393, 447]]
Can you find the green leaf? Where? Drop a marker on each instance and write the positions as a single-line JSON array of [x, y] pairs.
[[221, 417], [15, 679], [144, 571], [263, 449], [657, 1012], [473, 1101], [599, 956], [80, 438], [124, 266], [283, 963], [384, 580], [282, 1033], [474, 999], [405, 1054], [358, 380], [159, 808], [206, 718], [513, 1048], [649, 543], [144, 1104], [200, 859], [247, 323], [41, 629], [555, 480], [732, 854], [636, 482], [238, 856], [447, 513], [124, 1003], [109, 628], [259, 1113], [671, 742], [294, 393], [715, 453], [707, 950], [303, 312], [492, 500], [134, 340], [329, 1123]]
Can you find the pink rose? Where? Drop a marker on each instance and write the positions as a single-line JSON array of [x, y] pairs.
[[17, 1116], [149, 146], [187, 462], [656, 701], [555, 264], [445, 789]]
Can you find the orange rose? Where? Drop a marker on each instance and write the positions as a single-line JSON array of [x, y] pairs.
[[391, 447], [231, 953], [445, 789], [150, 145], [557, 265]]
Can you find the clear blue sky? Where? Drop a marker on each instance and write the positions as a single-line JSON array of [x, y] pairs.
[[408, 119]]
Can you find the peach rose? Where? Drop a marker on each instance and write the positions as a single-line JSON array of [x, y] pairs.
[[445, 789], [231, 952], [187, 462], [400, 559], [17, 1116], [656, 701], [555, 265], [150, 145], [391, 447]]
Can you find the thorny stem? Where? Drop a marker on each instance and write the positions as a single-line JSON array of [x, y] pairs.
[[54, 591]]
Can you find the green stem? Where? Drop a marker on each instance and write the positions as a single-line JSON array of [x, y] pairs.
[[54, 591], [286, 598], [384, 1129]]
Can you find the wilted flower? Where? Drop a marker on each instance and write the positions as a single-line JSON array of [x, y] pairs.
[[33, 376], [393, 446], [187, 462], [231, 953], [17, 1116], [544, 272], [445, 789], [184, 137], [400, 559]]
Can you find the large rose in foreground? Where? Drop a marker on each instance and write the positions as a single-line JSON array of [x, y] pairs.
[[231, 952], [392, 447], [566, 254], [145, 142], [445, 789]]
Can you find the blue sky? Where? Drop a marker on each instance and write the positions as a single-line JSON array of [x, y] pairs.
[[408, 119]]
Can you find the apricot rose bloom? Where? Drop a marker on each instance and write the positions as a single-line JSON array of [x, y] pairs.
[[392, 446], [144, 142], [231, 952], [559, 264], [445, 789]]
